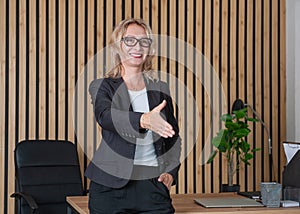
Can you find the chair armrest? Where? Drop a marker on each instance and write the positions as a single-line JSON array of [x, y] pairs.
[[30, 201]]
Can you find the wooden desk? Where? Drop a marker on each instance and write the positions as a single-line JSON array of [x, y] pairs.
[[79, 204], [184, 203]]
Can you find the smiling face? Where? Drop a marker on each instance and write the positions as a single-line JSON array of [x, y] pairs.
[[134, 55]]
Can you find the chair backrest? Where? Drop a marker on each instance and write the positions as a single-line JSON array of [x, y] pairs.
[[48, 170]]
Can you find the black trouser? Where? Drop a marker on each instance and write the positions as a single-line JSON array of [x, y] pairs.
[[138, 196]]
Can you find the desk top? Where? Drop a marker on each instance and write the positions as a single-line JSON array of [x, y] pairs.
[[184, 203]]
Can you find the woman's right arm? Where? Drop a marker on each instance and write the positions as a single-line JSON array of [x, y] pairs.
[[123, 122]]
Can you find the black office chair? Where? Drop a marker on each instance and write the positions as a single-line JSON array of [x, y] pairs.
[[46, 172]]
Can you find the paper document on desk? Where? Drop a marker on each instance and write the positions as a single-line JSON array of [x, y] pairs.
[[290, 150]]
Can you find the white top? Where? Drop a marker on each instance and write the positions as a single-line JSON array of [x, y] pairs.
[[144, 153]]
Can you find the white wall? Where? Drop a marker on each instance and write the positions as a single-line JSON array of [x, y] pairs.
[[293, 69]]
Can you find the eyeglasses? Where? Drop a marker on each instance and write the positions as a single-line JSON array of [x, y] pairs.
[[132, 41]]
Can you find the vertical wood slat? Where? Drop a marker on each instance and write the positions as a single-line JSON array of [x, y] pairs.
[[241, 70], [71, 68], [242, 40], [42, 67], [257, 89], [215, 29], [207, 90], [90, 69], [224, 67], [79, 83], [274, 87], [198, 89], [267, 100], [171, 13], [2, 107], [118, 10], [281, 74], [11, 100], [248, 95], [191, 183], [61, 72], [52, 61], [180, 101], [32, 52]]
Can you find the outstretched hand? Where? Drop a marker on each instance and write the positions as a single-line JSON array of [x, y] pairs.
[[153, 121]]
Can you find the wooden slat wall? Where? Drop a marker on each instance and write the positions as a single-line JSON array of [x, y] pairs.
[[47, 44]]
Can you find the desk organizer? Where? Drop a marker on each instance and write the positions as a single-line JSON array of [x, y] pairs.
[[271, 194]]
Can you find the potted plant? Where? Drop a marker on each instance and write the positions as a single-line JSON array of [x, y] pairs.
[[231, 141]]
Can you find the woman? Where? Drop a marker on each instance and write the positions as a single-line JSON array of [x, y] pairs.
[[138, 159]]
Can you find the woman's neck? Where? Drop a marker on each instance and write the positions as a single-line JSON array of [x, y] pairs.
[[134, 80]]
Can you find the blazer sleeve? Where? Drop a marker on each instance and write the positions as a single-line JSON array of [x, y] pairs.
[[120, 121], [172, 146]]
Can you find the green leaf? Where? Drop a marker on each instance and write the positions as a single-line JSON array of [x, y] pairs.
[[213, 155], [243, 124], [245, 161], [240, 113], [219, 138], [245, 146], [243, 132], [255, 150], [248, 156], [231, 125], [226, 117], [223, 147], [252, 119]]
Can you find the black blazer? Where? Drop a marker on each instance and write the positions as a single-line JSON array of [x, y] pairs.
[[112, 163]]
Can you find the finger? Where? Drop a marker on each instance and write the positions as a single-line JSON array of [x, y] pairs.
[[167, 128], [163, 131], [166, 179], [165, 134], [169, 131], [170, 181], [168, 185], [161, 177], [161, 106]]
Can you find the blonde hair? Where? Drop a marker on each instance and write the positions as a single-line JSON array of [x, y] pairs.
[[115, 45]]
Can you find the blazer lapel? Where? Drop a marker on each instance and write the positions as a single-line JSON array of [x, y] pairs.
[[121, 98], [153, 92]]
